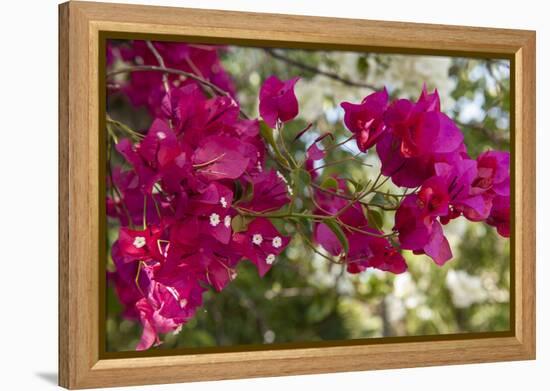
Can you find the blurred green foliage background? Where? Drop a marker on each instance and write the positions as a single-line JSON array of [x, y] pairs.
[[304, 297]]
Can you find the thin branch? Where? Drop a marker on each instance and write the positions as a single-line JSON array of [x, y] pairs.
[[280, 127], [153, 68], [160, 60], [124, 128], [331, 147], [336, 162], [489, 133], [318, 71]]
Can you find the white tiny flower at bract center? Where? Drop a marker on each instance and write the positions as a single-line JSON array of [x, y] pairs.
[[257, 239], [223, 201], [277, 242], [282, 177], [270, 259], [214, 219], [161, 135], [227, 221], [139, 242], [177, 330]]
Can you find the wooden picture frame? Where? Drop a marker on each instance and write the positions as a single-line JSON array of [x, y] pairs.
[[81, 24]]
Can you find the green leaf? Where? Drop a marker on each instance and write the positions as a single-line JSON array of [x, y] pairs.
[[319, 310], [240, 223], [375, 218], [237, 190], [267, 133], [300, 178], [362, 66], [248, 193], [357, 186], [330, 183], [382, 200], [337, 230]]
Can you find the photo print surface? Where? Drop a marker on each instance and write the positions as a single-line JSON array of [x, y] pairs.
[[272, 196]]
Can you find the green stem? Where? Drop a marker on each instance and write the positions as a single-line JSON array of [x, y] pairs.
[[288, 157], [249, 213], [124, 129], [331, 147]]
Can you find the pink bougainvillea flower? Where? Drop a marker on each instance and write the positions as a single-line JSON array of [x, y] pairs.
[[493, 173], [437, 247], [178, 299], [366, 119], [315, 153], [142, 245], [146, 175], [215, 195], [500, 215], [209, 220], [411, 223], [419, 231], [126, 203], [278, 101], [375, 252], [458, 178], [185, 234], [147, 89], [270, 191], [213, 261], [367, 247], [418, 136], [200, 117], [217, 224], [433, 197], [261, 243], [160, 146], [328, 240], [166, 308], [200, 164], [220, 157], [152, 155], [128, 283], [427, 101], [149, 335]]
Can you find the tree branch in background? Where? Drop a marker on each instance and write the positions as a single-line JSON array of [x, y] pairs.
[[310, 68], [495, 137]]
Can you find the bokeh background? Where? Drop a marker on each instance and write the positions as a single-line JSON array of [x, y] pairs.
[[304, 297]]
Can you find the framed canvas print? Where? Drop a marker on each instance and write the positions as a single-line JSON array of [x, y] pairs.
[[247, 195]]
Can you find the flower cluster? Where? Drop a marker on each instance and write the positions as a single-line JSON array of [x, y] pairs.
[[421, 148], [196, 195], [145, 86], [176, 206]]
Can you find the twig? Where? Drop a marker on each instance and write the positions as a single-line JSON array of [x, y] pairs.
[[489, 133], [331, 147], [318, 71], [153, 68], [160, 60]]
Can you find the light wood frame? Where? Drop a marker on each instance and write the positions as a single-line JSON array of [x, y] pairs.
[[80, 23]]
